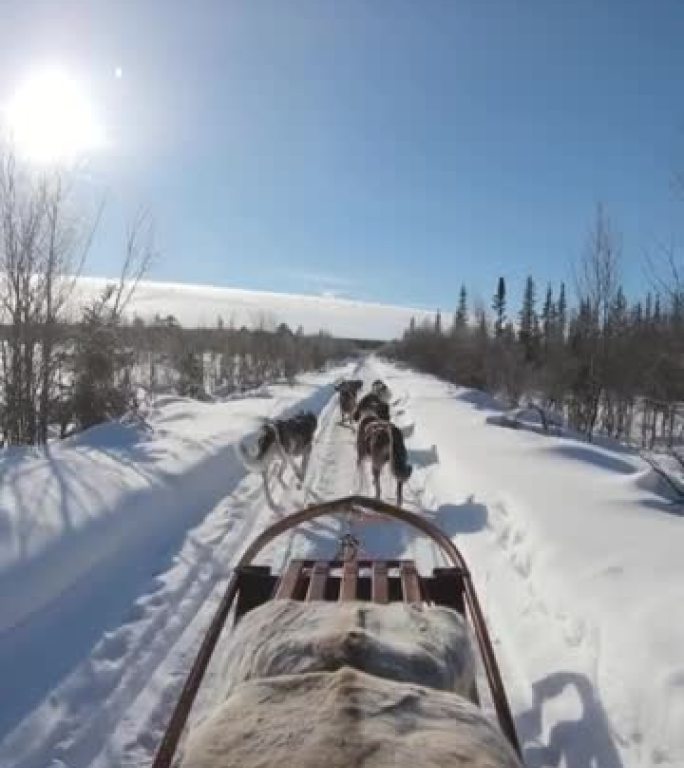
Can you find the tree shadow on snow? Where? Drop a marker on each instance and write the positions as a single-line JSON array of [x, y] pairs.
[[596, 458], [37, 653], [480, 400], [671, 507], [582, 743]]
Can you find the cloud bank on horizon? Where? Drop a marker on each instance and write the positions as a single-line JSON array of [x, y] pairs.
[[203, 305]]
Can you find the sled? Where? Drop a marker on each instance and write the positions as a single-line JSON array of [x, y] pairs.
[[347, 577]]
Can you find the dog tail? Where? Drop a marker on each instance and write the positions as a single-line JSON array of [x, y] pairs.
[[401, 469], [254, 458], [249, 458]]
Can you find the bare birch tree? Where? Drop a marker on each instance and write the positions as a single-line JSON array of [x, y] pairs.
[[43, 243]]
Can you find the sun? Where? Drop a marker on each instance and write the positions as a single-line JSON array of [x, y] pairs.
[[50, 119]]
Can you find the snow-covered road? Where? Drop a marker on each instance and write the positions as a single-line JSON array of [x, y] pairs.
[[575, 556]]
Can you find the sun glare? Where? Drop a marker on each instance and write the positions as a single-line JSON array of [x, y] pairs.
[[50, 119]]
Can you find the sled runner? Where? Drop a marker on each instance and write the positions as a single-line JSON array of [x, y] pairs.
[[348, 577]]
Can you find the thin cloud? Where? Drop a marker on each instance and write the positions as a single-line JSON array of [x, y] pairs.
[[326, 279]]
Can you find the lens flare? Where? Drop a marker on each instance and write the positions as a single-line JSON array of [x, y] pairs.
[[51, 120]]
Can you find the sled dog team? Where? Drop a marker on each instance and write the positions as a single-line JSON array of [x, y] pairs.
[[378, 440]]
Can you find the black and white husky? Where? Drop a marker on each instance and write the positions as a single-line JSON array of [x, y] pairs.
[[371, 404], [281, 440], [379, 388]]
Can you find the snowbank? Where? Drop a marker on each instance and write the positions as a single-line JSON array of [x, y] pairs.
[[84, 523]]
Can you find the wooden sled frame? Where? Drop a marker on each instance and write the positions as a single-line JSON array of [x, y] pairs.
[[253, 586]]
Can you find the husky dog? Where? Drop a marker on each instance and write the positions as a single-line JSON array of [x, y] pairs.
[[379, 388], [371, 404], [348, 390], [281, 439], [382, 442]]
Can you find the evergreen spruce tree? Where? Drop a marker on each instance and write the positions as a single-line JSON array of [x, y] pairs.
[[528, 333], [438, 323], [548, 316], [461, 317], [499, 307], [562, 312]]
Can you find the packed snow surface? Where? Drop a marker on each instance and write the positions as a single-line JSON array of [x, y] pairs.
[[115, 547]]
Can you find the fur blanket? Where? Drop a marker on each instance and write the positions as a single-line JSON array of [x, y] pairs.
[[344, 719], [342, 685], [424, 645]]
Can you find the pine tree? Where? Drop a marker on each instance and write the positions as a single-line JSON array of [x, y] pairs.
[[190, 374], [562, 312], [499, 307], [438, 323], [461, 317], [101, 388], [548, 316], [482, 329], [528, 333], [619, 309]]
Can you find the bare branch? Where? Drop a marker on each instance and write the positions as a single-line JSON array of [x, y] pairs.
[[140, 254]]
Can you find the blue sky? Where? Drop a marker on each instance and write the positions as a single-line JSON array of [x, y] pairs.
[[385, 150]]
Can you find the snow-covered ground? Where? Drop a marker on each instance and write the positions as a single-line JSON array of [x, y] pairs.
[[114, 550], [202, 305]]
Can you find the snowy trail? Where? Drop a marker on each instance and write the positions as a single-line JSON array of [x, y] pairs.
[[547, 527], [332, 473]]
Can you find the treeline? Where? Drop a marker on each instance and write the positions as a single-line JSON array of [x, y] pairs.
[[61, 372], [201, 362], [605, 364]]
